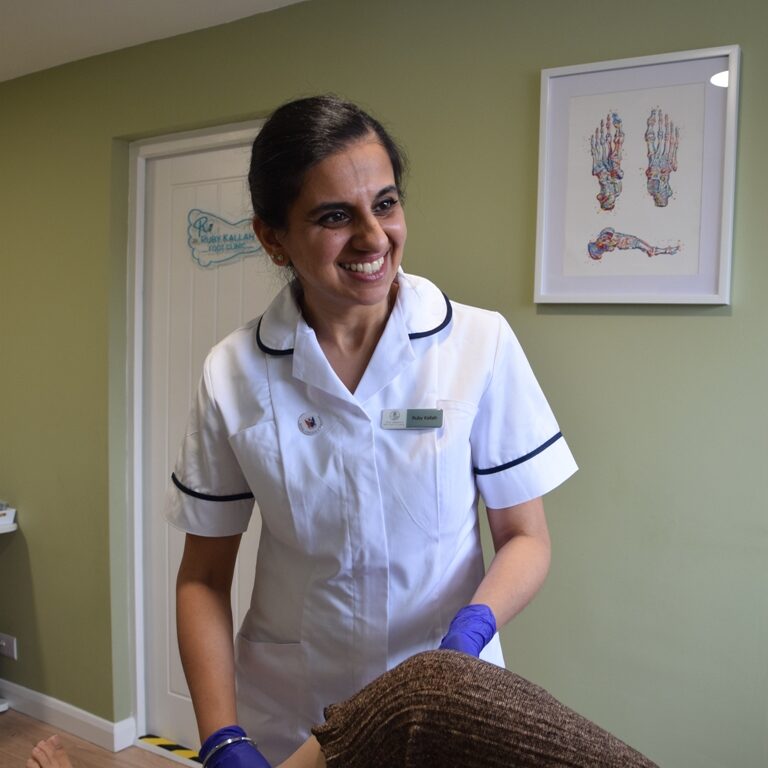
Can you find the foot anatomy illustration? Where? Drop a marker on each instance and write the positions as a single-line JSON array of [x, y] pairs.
[[609, 239], [606, 146], [661, 138]]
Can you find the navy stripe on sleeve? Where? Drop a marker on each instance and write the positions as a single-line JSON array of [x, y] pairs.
[[206, 496], [521, 460]]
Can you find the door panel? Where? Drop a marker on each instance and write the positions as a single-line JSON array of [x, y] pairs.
[[187, 308]]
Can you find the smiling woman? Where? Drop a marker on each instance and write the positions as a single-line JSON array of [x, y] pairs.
[[344, 239], [366, 414]]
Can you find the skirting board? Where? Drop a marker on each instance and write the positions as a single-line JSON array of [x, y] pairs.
[[78, 722]]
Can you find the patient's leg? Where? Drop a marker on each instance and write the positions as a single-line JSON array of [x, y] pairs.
[[449, 709], [49, 754]]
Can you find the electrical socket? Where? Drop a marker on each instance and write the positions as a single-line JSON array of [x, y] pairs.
[[8, 646]]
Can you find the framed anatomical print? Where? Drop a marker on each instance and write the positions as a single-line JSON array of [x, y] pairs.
[[636, 180]]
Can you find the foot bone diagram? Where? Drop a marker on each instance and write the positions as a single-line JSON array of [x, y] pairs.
[[606, 144], [609, 239], [661, 138]]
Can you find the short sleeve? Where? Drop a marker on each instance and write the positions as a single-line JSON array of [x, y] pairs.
[[518, 451], [208, 494]]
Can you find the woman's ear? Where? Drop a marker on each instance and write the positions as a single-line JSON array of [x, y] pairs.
[[270, 240]]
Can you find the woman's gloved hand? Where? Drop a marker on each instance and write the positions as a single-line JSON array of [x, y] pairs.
[[471, 630], [230, 748]]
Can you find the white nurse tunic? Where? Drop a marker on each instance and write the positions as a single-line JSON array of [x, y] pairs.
[[370, 539]]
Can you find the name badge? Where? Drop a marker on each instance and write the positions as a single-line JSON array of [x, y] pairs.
[[412, 418]]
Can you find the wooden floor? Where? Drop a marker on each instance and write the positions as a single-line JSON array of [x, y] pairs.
[[19, 733]]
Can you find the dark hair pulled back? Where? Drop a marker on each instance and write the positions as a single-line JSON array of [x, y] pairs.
[[297, 136]]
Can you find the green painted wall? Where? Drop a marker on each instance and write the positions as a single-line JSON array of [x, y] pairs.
[[655, 618]]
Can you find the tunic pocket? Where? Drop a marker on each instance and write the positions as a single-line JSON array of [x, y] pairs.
[[457, 489], [409, 477], [271, 695]]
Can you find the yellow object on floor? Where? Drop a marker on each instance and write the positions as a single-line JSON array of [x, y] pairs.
[[170, 746]]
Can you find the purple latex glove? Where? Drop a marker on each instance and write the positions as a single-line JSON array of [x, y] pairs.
[[471, 630], [238, 754]]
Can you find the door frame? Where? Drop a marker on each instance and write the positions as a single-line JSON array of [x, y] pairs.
[[140, 152]]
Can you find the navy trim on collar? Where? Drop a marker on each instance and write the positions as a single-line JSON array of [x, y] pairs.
[[268, 350], [206, 496], [437, 329], [415, 335], [521, 460]]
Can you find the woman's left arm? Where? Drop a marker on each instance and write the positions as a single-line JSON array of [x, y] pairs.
[[520, 565]]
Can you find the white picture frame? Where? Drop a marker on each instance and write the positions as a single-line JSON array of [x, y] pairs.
[[637, 161]]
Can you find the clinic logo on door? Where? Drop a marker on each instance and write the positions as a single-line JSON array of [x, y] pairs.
[[214, 240]]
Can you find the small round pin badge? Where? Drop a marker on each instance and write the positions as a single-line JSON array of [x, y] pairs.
[[310, 423]]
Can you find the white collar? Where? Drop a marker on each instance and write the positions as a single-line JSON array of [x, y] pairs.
[[425, 310]]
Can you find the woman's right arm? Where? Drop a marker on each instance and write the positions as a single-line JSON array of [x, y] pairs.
[[204, 623]]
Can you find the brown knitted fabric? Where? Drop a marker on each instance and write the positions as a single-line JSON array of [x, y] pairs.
[[445, 709]]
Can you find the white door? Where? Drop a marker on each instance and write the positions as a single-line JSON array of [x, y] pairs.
[[203, 276]]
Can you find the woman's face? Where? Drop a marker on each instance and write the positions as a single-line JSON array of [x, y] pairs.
[[346, 230]]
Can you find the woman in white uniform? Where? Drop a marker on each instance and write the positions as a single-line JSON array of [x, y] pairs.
[[365, 413]]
